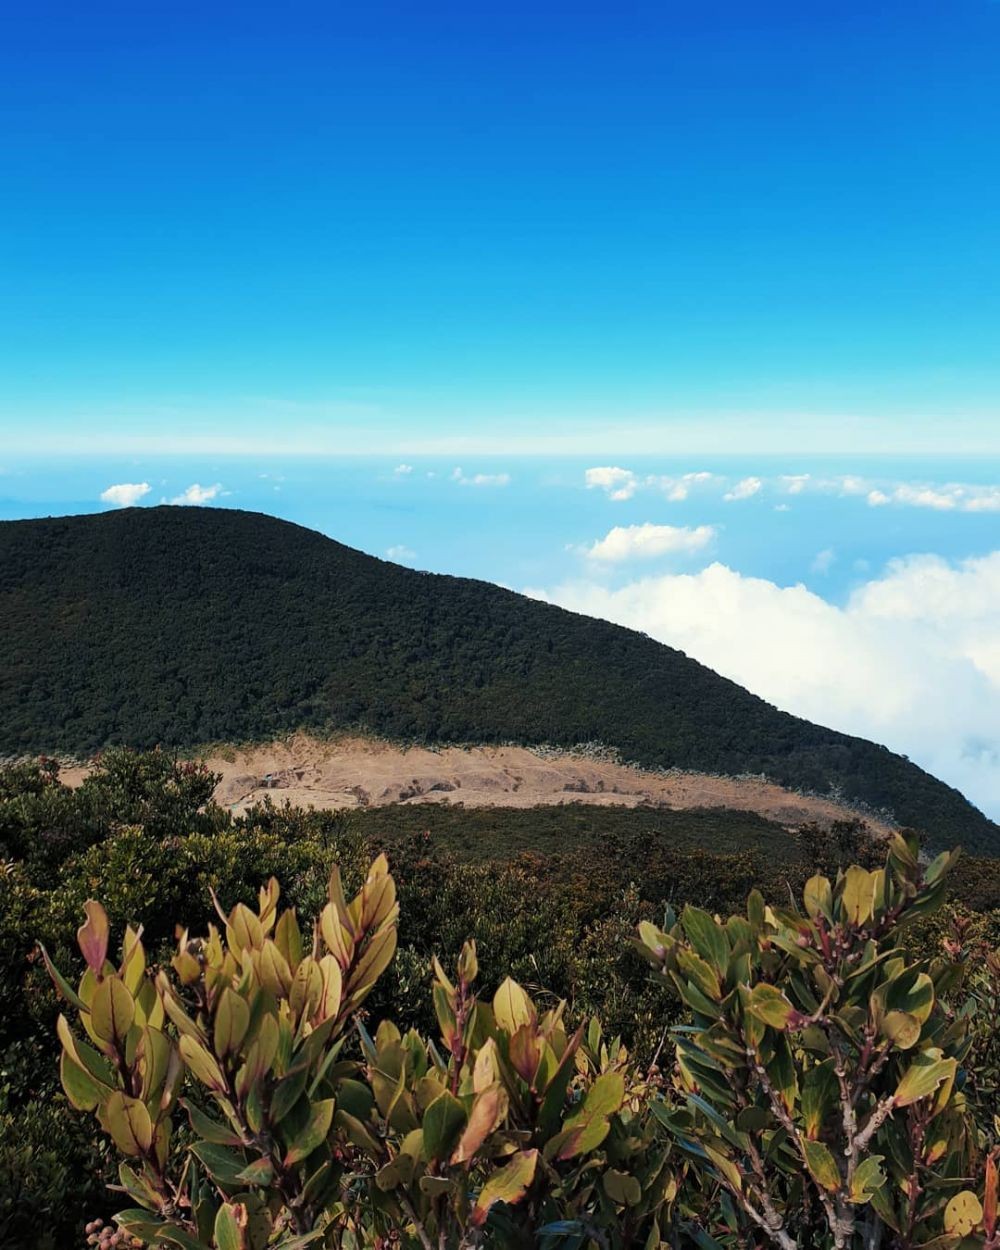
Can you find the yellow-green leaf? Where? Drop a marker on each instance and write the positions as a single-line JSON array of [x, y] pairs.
[[822, 1165], [622, 1188], [902, 1029], [128, 1122], [509, 1185], [82, 1090], [818, 897], [963, 1213], [112, 1011], [232, 1019], [922, 1078], [769, 1005], [230, 1226], [868, 1178], [858, 896], [512, 1007], [201, 1063]]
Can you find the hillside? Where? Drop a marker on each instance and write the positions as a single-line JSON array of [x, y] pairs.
[[185, 626]]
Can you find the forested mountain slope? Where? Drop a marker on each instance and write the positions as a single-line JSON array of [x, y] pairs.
[[182, 626]]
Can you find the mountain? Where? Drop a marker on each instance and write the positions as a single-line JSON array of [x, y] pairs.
[[182, 626]]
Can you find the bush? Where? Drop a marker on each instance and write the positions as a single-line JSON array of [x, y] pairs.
[[816, 1095]]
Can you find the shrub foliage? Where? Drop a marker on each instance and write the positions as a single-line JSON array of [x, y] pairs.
[[814, 1095]]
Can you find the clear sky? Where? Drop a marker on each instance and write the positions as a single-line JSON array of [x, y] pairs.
[[704, 225], [682, 314]]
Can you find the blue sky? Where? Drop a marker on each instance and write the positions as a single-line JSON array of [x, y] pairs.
[[684, 314], [700, 225]]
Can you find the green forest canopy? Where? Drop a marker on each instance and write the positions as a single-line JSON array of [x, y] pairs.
[[180, 626]]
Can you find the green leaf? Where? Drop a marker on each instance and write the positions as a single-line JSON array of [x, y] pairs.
[[137, 1187], [143, 1224], [315, 1131], [224, 1166], [726, 1167], [708, 938], [83, 1092], [287, 1093], [260, 1172], [868, 1178], [207, 1128], [622, 1188], [718, 1122], [577, 1139], [444, 1120], [436, 1186], [61, 984], [819, 1096], [605, 1096]]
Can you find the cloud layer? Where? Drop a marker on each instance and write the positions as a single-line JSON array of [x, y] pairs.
[[621, 484], [911, 660], [125, 494]]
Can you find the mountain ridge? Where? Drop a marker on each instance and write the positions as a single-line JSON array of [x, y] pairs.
[[179, 626]]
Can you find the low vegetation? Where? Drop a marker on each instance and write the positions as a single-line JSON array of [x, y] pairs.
[[556, 913], [813, 1099], [177, 627]]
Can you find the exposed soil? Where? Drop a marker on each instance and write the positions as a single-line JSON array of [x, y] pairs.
[[353, 772]]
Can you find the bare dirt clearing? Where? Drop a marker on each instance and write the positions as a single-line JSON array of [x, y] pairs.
[[350, 772]]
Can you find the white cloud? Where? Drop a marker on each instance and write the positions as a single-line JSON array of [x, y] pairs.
[[795, 483], [403, 470], [950, 497], [400, 553], [744, 489], [125, 494], [619, 484], [823, 560], [912, 659], [480, 479], [196, 494], [645, 542]]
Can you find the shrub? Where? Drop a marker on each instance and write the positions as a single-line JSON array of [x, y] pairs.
[[819, 1084], [815, 1100]]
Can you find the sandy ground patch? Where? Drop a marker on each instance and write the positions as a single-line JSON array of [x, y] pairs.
[[352, 772]]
